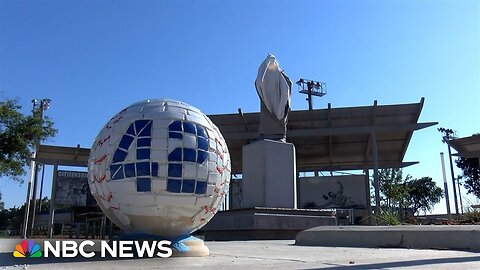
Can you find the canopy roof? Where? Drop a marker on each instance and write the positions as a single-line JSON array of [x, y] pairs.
[[468, 147], [62, 155], [334, 138]]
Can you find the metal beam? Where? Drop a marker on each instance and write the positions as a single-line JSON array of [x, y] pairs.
[[336, 131], [309, 167], [243, 119], [344, 142], [62, 155], [471, 154], [61, 162], [325, 166], [359, 130]]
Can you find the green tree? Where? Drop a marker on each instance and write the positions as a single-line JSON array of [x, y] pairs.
[[471, 173], [19, 134], [422, 194], [2, 204], [11, 219], [45, 202], [392, 187], [399, 193]]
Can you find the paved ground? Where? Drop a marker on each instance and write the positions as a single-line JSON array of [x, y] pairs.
[[276, 254]]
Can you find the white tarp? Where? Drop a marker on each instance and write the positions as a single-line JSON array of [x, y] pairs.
[[273, 87]]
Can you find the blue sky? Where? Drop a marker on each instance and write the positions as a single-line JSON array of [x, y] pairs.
[[92, 58]]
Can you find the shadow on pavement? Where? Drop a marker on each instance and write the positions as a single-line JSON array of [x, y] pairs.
[[428, 263], [7, 259]]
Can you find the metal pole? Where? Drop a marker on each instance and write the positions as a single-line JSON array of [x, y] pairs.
[[52, 201], [35, 179], [27, 201], [102, 227], [453, 179], [299, 196], [41, 188], [310, 102], [460, 195], [445, 185], [33, 203]]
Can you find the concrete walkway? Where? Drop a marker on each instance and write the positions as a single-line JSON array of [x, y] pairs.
[[274, 254], [459, 237]]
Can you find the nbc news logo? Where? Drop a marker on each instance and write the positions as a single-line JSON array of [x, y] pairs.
[[115, 249], [27, 250]]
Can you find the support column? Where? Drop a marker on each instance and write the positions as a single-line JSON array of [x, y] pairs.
[[376, 182], [298, 190], [28, 201], [447, 198], [33, 204], [453, 179], [52, 202], [102, 227], [369, 203]]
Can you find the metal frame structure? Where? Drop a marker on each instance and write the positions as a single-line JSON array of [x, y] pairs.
[[335, 139], [467, 147], [59, 156]]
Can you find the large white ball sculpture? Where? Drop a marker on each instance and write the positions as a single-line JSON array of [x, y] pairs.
[[159, 167]]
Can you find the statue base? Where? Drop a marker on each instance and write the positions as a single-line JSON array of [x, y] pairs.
[[269, 175], [196, 248]]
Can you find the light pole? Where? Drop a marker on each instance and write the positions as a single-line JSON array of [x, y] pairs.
[[27, 201], [41, 188], [459, 193], [447, 135], [39, 106], [311, 88], [445, 185]]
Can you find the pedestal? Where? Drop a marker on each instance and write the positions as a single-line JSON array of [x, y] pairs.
[[269, 175], [196, 248], [261, 223]]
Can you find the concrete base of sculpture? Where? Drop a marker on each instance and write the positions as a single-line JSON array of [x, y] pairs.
[[196, 248], [269, 175], [261, 223]]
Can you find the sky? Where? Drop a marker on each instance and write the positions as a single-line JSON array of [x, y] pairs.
[[93, 58]]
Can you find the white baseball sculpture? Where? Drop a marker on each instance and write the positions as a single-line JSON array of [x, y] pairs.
[[159, 167]]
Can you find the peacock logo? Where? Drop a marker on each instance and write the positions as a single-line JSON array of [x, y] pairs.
[[27, 250]]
